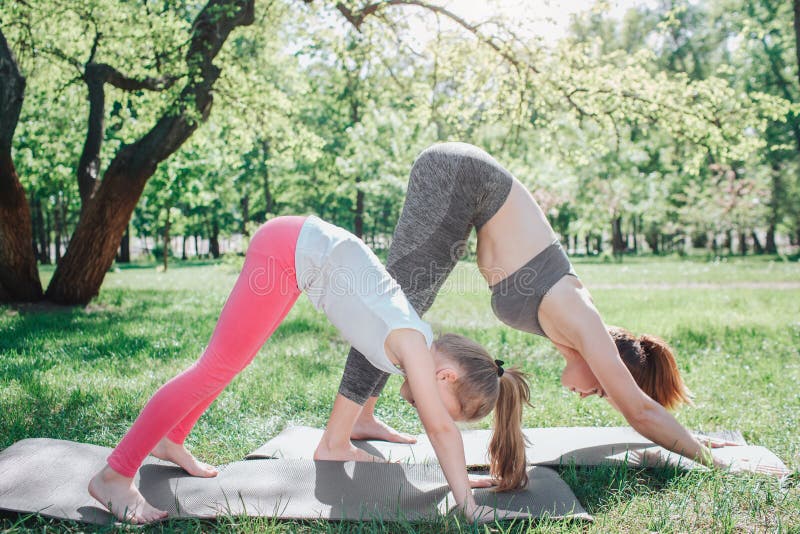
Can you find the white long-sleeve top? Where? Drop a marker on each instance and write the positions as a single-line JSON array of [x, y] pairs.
[[343, 278]]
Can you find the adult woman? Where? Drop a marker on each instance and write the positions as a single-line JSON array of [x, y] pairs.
[[455, 186]]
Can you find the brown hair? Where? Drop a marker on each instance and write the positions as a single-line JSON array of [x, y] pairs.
[[652, 364], [482, 386]]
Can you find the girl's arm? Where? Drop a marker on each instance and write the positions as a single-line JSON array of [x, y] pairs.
[[576, 319], [409, 348]]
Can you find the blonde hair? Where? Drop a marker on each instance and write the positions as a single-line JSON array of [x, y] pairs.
[[482, 386]]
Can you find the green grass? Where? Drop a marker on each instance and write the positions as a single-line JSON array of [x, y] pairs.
[[83, 375]]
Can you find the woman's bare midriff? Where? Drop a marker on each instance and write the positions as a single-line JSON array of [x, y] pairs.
[[515, 234]]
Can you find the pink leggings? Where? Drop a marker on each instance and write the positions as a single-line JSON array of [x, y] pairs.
[[264, 293]]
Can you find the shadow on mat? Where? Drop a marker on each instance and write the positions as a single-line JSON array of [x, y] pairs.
[[374, 491]]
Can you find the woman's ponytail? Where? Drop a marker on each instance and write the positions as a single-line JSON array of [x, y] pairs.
[[663, 377], [652, 365], [507, 461]]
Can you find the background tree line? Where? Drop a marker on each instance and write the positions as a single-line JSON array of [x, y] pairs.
[[199, 120]]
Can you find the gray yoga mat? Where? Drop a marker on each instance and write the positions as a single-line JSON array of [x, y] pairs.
[[547, 446], [50, 477]]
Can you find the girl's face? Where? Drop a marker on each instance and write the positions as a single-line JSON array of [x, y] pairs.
[[444, 381], [579, 378]]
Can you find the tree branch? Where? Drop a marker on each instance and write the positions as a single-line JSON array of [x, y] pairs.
[[357, 19], [102, 223], [797, 35], [12, 89], [96, 75], [209, 32]]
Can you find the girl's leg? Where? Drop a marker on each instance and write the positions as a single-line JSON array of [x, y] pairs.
[[261, 298]]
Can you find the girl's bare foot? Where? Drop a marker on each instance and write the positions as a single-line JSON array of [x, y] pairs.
[[177, 454], [118, 494], [367, 427], [344, 453]]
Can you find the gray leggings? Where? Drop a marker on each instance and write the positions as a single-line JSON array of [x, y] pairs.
[[453, 187]]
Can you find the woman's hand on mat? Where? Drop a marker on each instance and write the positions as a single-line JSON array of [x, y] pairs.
[[746, 465], [715, 443], [482, 481]]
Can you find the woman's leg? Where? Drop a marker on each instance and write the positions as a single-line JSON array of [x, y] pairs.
[[452, 187], [429, 239], [262, 296]]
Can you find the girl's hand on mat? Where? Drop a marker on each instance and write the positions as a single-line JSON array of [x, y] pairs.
[[481, 481]]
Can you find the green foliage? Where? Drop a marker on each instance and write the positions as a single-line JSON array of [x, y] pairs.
[[676, 120]]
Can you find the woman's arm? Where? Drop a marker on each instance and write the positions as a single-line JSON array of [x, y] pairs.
[[633, 420], [572, 316]]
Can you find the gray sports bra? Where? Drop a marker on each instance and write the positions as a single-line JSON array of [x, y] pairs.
[[516, 298]]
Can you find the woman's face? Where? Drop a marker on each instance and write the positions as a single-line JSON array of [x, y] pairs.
[[579, 378]]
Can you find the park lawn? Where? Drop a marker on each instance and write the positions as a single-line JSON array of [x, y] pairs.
[[84, 375]]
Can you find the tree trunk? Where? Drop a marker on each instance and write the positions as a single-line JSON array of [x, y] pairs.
[[213, 240], [774, 208], [196, 246], [635, 227], [587, 244], [19, 275], [46, 234], [358, 223], [166, 241], [41, 248], [103, 220], [88, 170], [124, 255], [651, 238], [770, 246], [797, 36], [617, 242], [183, 248], [742, 243], [44, 250], [57, 227], [245, 203], [355, 118], [757, 247], [268, 200]]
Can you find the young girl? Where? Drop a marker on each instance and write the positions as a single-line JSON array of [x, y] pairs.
[[451, 379]]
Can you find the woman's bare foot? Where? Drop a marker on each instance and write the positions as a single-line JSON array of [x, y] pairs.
[[344, 453], [367, 427], [118, 494], [177, 454]]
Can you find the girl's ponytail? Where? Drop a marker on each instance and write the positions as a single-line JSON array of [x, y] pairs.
[[507, 461], [479, 390]]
